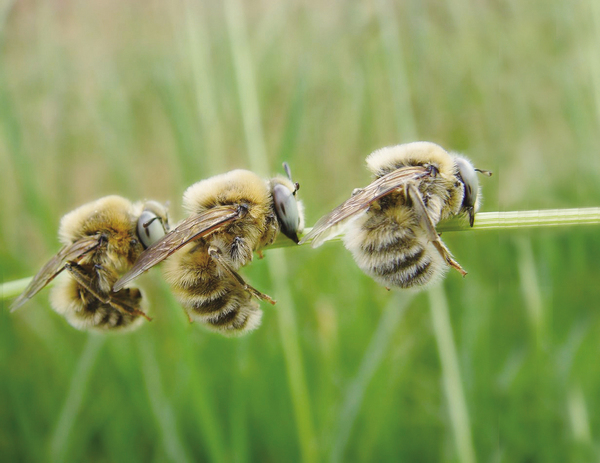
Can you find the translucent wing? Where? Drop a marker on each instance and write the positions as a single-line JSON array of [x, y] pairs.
[[71, 252], [329, 226], [193, 227]]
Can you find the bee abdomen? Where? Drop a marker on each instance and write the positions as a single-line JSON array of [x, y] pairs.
[[107, 317], [402, 262], [409, 262], [83, 311], [243, 318], [404, 274], [233, 312]]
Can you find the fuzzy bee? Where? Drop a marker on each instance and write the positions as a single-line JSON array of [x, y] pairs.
[[102, 240], [231, 216], [390, 224]]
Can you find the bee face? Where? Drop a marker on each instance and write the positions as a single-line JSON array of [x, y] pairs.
[[468, 176], [231, 216], [152, 224], [287, 207], [390, 224], [100, 242]]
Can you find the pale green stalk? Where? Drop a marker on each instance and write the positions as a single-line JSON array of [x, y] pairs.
[[503, 221], [484, 221], [524, 219], [13, 288], [453, 386], [277, 265]]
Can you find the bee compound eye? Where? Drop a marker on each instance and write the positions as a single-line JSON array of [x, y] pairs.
[[467, 173], [150, 228], [286, 208]]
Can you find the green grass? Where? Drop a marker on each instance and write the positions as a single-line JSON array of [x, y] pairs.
[[143, 99]]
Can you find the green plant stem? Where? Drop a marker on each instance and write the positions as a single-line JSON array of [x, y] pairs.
[[501, 221], [13, 288], [524, 219], [483, 221]]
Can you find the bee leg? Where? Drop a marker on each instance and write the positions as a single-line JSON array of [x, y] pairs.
[[215, 254], [85, 281], [240, 252], [429, 227], [120, 301]]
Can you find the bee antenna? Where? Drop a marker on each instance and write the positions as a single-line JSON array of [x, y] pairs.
[[287, 169], [484, 172], [147, 224]]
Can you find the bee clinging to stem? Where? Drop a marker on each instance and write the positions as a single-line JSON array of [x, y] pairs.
[[231, 216], [102, 240], [390, 224]]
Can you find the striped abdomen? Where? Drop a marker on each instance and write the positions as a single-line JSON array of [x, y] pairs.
[[393, 250], [208, 295]]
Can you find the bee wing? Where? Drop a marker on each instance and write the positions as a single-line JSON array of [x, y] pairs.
[[193, 227], [71, 252], [330, 225]]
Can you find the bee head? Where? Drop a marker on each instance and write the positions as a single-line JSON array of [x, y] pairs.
[[287, 207], [467, 173], [153, 223]]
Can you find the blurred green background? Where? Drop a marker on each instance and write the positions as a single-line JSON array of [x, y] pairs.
[[143, 98]]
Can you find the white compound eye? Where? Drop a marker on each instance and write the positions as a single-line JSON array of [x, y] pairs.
[[468, 174], [150, 228], [286, 208], [469, 177]]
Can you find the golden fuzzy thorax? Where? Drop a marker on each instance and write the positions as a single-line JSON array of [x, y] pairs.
[[229, 188], [443, 192], [111, 216], [419, 153], [239, 187]]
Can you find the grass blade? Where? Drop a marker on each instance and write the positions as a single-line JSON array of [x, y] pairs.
[[163, 412], [276, 263], [59, 442], [374, 355], [457, 407]]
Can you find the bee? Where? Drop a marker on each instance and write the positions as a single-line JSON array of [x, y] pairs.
[[390, 224], [231, 216], [102, 240]]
